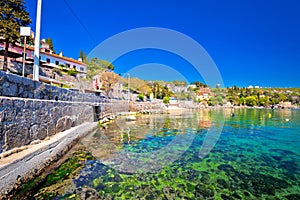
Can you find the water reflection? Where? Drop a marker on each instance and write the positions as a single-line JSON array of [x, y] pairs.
[[252, 143], [256, 157], [205, 121], [164, 137]]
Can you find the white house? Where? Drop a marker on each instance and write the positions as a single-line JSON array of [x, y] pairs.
[[48, 58]]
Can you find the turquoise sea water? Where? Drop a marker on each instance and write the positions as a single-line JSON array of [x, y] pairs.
[[208, 154]]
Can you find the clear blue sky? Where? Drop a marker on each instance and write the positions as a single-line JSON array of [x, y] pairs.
[[252, 42]]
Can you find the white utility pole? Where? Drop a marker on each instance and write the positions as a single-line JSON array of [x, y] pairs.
[[24, 57], [24, 31], [37, 41]]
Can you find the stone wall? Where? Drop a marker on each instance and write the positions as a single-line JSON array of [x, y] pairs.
[[16, 86], [30, 110], [27, 120]]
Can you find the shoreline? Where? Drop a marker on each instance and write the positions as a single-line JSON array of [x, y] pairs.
[[104, 120], [17, 168], [60, 144]]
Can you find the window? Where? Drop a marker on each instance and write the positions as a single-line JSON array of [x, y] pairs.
[[74, 66], [68, 65], [48, 60], [81, 69], [57, 62]]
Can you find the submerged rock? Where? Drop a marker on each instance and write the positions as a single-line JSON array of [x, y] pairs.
[[226, 167], [259, 184], [202, 192], [89, 194], [205, 178], [169, 192], [293, 196], [290, 166], [236, 196], [226, 197], [222, 183]]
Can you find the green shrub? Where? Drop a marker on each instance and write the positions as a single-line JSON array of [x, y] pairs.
[[58, 71], [141, 97], [166, 99], [72, 72]]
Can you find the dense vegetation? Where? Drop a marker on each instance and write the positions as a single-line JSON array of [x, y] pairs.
[[254, 96]]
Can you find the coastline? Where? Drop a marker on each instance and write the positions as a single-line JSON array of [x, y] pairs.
[[16, 181], [17, 168], [174, 109]]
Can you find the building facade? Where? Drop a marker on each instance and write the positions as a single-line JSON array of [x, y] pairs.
[[48, 59]]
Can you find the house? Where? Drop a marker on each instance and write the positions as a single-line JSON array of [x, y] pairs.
[[285, 104], [173, 102], [204, 93], [193, 86], [48, 59]]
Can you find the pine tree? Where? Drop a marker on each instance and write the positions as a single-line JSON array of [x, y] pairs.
[[85, 59], [49, 41], [13, 14], [83, 56]]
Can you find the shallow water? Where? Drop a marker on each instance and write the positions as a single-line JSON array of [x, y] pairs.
[[208, 154]]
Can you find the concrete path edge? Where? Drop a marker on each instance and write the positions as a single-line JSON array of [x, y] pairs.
[[20, 166]]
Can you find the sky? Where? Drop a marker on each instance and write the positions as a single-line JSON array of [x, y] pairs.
[[251, 42]]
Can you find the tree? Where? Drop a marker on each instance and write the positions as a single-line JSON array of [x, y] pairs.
[[96, 66], [166, 100], [282, 97], [83, 56], [108, 80], [85, 59], [49, 41], [263, 101], [212, 101], [199, 84], [141, 97], [179, 83], [230, 98], [220, 100], [242, 100], [13, 15], [251, 100], [136, 84]]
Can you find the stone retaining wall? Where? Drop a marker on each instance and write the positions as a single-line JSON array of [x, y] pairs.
[[26, 120], [16, 86], [30, 110]]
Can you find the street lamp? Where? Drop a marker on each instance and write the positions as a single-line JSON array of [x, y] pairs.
[[128, 90], [128, 80]]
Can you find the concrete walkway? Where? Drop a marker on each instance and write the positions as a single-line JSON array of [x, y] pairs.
[[19, 166]]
